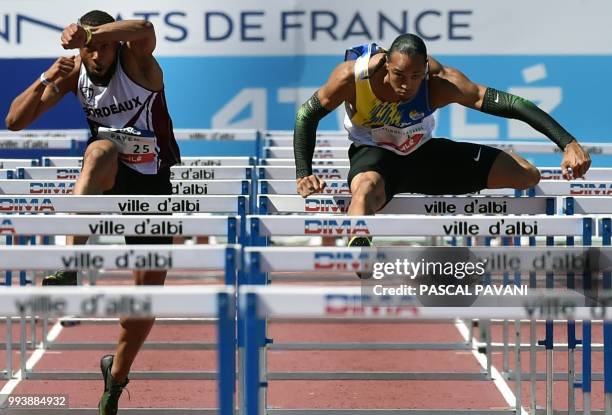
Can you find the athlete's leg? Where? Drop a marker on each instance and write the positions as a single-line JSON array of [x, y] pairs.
[[134, 331], [99, 168], [453, 168], [97, 175], [368, 193], [371, 178], [512, 170]]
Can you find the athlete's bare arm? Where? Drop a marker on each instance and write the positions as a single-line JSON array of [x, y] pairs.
[[38, 98], [449, 85], [137, 55], [340, 86]]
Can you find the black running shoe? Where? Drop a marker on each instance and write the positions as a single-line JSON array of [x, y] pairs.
[[357, 241]]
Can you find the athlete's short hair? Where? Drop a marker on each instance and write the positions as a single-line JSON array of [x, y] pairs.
[[95, 18], [408, 44]]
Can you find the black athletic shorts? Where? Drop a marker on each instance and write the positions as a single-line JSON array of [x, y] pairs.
[[129, 182], [438, 167]]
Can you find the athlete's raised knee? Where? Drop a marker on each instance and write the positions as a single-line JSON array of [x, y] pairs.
[[100, 164], [527, 177], [368, 189]]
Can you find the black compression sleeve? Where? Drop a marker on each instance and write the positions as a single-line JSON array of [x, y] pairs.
[[305, 134], [511, 106]]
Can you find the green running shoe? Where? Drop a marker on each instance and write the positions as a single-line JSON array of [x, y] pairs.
[[109, 402], [61, 277]]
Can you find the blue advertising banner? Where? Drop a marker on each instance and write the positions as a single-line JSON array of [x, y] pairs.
[[248, 64]]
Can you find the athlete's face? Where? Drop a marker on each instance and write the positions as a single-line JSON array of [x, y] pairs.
[[99, 58], [405, 74]]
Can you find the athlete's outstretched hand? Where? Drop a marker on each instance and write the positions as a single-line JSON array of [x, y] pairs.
[[310, 184], [74, 36], [576, 161]]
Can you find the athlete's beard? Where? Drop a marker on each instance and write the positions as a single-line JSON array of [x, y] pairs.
[[104, 79]]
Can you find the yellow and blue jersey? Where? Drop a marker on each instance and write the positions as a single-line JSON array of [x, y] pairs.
[[401, 127]]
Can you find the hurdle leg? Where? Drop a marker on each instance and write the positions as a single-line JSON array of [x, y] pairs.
[[252, 370], [485, 331], [571, 348], [506, 323], [607, 333], [9, 347], [533, 369], [23, 338], [549, 378], [608, 366], [517, 365], [33, 332], [586, 367], [518, 369], [45, 332]]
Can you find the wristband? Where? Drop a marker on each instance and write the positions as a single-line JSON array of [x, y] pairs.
[[88, 35], [46, 82]]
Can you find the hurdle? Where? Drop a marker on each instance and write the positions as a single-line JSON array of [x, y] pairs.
[[519, 147], [263, 227], [231, 226], [573, 188], [214, 142], [179, 187], [288, 187], [144, 301], [123, 204], [94, 258], [259, 303], [407, 204], [14, 163], [315, 162], [25, 146], [185, 161], [176, 173]]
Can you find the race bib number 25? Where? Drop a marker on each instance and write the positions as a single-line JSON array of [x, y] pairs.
[[137, 148]]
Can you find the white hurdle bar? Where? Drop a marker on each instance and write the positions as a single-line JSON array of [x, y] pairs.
[[176, 173], [122, 204], [496, 260], [34, 143], [409, 204], [185, 161], [120, 225], [179, 187], [588, 205], [16, 163], [272, 170], [530, 147], [288, 172], [103, 301], [139, 301], [315, 162], [319, 153], [572, 188], [345, 302], [96, 257], [417, 225], [258, 303], [339, 187]]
